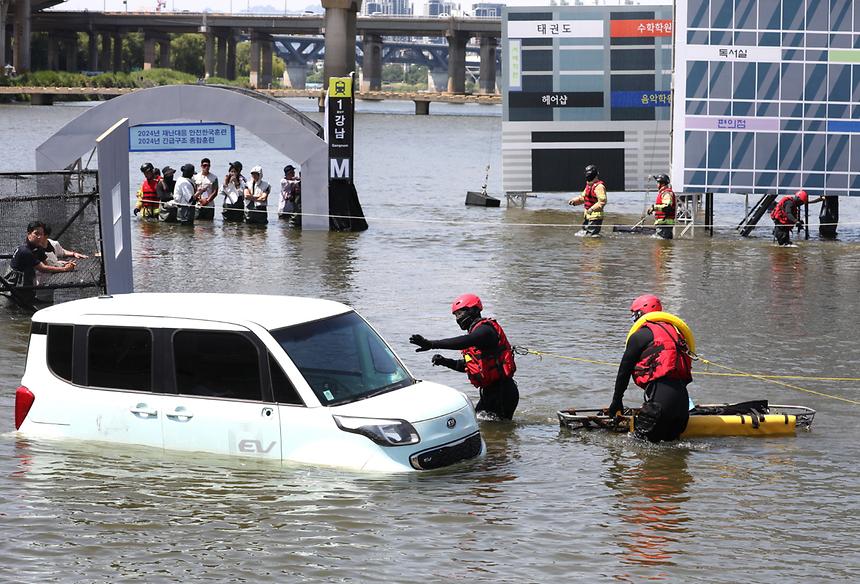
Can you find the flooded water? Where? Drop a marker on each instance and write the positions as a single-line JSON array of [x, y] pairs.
[[544, 504]]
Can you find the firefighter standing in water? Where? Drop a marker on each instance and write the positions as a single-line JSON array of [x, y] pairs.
[[786, 215], [665, 207], [593, 197], [488, 357], [658, 359]]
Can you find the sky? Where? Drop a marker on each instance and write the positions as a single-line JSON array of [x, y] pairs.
[[291, 6]]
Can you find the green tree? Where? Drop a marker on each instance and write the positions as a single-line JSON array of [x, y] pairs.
[[187, 52]]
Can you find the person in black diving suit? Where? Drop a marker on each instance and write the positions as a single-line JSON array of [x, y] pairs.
[[659, 362], [488, 358]]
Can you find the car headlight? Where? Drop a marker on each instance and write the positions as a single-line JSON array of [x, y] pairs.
[[384, 432]]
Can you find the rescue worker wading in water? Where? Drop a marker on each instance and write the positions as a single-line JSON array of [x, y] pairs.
[[786, 215], [593, 197], [665, 207], [658, 359], [488, 357]]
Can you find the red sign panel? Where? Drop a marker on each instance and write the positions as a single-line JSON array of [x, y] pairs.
[[640, 28]]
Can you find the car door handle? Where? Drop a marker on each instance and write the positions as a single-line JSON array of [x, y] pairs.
[[180, 414], [144, 410]]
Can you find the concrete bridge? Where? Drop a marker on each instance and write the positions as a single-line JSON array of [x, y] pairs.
[[298, 52], [221, 32]]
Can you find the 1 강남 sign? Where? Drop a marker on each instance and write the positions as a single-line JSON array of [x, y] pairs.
[[339, 127], [173, 137]]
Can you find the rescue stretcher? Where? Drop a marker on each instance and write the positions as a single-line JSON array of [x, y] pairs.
[[753, 418]]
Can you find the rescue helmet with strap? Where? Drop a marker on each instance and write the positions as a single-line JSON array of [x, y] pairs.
[[466, 301], [804, 198], [645, 304]]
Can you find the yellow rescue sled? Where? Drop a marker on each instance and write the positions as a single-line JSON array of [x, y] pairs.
[[754, 418]]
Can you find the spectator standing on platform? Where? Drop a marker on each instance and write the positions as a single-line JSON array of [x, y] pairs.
[[206, 184], [233, 190], [593, 197], [786, 215], [665, 207], [147, 197], [165, 187], [290, 193], [31, 256], [184, 196], [256, 197]]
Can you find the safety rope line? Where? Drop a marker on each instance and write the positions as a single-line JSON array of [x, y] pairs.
[[782, 383], [470, 223], [734, 372]]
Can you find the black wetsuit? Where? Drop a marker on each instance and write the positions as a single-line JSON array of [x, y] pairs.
[[500, 398], [665, 413]]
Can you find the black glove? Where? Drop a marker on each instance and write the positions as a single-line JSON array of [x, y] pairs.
[[616, 407], [800, 225], [437, 359], [423, 344]]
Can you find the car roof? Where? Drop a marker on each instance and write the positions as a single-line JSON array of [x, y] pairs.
[[271, 312]]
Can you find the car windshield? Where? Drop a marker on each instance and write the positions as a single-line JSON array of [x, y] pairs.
[[342, 358]]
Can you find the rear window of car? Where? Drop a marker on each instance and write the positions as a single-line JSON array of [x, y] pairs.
[[60, 350]]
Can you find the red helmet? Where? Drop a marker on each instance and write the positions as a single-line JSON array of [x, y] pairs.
[[645, 304], [802, 196], [466, 301]]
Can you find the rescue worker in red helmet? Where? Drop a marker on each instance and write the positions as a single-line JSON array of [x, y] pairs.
[[786, 215], [657, 358], [488, 358], [664, 208], [593, 197]]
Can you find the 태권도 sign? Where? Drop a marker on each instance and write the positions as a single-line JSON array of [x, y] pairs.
[[172, 137]]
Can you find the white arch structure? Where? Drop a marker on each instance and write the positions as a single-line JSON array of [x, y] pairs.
[[285, 129]]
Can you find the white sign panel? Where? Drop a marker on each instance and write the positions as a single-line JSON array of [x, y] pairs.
[[174, 137], [542, 29]]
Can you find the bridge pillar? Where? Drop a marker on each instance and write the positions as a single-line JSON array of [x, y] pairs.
[[340, 19], [487, 80], [457, 61], [209, 55], [266, 61], [53, 53], [221, 60], [231, 55], [4, 5], [148, 51], [71, 49], [164, 52], [93, 61], [437, 81], [371, 68], [117, 51], [21, 49], [254, 61], [295, 76], [104, 59]]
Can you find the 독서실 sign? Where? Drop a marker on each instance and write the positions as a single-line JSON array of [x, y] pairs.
[[172, 137]]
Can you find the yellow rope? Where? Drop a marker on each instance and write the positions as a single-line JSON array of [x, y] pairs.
[[798, 388], [734, 373]]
